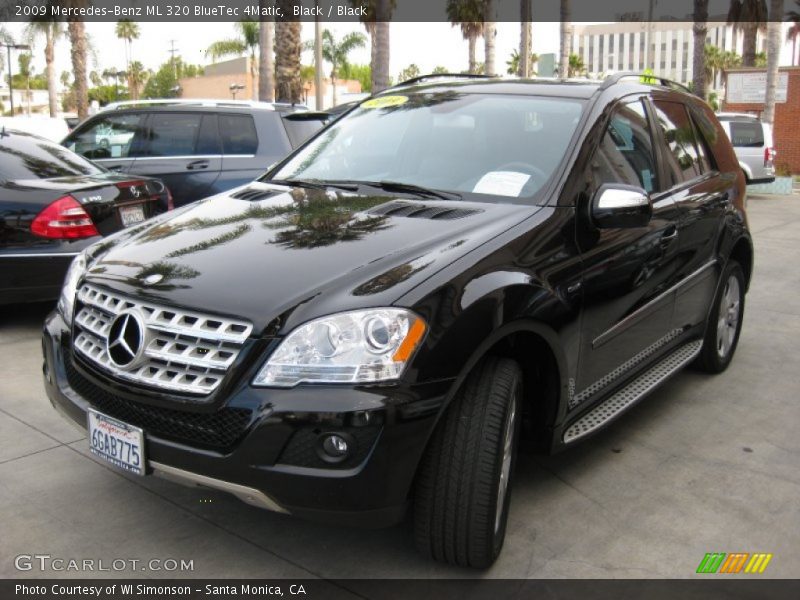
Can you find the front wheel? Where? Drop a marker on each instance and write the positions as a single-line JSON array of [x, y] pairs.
[[725, 321], [462, 493]]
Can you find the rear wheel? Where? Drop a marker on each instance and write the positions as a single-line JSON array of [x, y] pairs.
[[463, 488], [725, 321]]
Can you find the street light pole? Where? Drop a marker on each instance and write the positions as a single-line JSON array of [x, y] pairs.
[[8, 48]]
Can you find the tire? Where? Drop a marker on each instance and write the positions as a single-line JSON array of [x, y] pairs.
[[724, 322], [463, 486]]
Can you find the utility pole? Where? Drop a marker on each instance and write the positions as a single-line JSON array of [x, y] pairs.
[[173, 51], [9, 48]]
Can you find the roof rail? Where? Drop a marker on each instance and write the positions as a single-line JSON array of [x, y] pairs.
[[441, 75], [200, 102], [643, 77]]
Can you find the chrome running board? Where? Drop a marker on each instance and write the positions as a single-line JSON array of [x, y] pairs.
[[245, 494], [629, 395]]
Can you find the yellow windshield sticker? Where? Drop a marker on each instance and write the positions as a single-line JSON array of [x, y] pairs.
[[385, 102]]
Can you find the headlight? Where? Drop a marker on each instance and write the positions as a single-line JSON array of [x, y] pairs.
[[66, 303], [353, 347]]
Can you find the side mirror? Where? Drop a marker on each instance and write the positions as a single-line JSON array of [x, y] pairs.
[[617, 205]]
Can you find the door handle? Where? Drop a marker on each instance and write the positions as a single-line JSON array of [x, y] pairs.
[[197, 164], [115, 168], [669, 236]]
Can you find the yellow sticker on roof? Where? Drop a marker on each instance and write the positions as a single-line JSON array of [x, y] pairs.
[[385, 102]]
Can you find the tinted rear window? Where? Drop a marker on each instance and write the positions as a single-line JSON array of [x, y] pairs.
[[173, 134], [24, 156], [238, 134], [300, 131], [749, 134]]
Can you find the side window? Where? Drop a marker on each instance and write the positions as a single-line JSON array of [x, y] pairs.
[[208, 137], [747, 134], [172, 134], [111, 136], [238, 134], [625, 154], [683, 160]]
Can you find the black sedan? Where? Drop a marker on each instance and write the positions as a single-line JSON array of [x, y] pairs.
[[54, 203]]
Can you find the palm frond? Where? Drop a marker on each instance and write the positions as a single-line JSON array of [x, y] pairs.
[[226, 48]]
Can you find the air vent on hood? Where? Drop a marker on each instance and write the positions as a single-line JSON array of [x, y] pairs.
[[416, 210], [252, 194]]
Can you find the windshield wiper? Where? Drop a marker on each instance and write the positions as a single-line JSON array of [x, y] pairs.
[[315, 184], [410, 188]]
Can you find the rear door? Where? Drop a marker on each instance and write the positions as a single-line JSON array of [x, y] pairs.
[[630, 271], [183, 150], [112, 140], [250, 144], [701, 193]]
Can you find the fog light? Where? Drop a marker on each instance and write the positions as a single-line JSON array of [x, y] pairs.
[[335, 446]]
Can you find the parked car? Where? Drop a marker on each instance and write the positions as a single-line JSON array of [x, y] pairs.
[[50, 128], [197, 147], [377, 321], [54, 204], [752, 142]]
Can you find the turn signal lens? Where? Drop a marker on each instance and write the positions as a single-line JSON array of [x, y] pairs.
[[64, 219]]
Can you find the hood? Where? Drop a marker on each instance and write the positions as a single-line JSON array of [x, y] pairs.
[[264, 251]]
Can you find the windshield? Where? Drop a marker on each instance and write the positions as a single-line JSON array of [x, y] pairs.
[[479, 143]]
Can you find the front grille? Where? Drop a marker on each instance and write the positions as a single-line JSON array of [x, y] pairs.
[[217, 430], [183, 351]]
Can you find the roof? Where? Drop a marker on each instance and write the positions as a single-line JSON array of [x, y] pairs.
[[200, 103]]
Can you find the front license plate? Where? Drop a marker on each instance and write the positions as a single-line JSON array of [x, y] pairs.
[[131, 214], [119, 443]]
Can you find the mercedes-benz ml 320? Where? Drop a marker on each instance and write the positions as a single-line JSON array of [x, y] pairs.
[[373, 325]]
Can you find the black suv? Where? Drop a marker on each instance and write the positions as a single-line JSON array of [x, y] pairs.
[[198, 148], [451, 266]]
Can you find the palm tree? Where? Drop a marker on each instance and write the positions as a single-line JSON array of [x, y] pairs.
[[51, 30], [700, 30], [266, 61], [371, 24], [513, 64], [525, 66], [468, 15], [249, 34], [78, 53], [127, 31], [773, 59], [336, 52], [382, 56], [137, 77], [489, 34], [749, 16], [719, 61], [566, 37], [288, 85], [794, 30], [576, 66]]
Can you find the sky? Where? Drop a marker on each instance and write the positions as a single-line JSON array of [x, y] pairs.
[[425, 44]]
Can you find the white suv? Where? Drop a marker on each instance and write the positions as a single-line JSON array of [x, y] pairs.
[[752, 142]]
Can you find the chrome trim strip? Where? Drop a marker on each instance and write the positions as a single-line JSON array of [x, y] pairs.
[[40, 254], [181, 157], [244, 493], [622, 325]]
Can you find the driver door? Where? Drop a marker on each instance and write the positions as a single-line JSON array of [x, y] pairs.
[[626, 312], [111, 140]]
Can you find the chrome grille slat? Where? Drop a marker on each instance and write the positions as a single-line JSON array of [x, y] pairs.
[[185, 351]]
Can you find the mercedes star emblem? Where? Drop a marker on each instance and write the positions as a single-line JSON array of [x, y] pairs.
[[126, 339]]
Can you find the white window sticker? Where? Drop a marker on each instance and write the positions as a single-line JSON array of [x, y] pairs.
[[502, 183]]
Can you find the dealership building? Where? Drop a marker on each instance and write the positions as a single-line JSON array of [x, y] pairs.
[[664, 47]]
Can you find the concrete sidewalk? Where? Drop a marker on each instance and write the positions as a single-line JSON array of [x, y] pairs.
[[706, 464]]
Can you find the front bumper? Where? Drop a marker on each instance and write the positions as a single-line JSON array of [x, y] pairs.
[[271, 456]]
